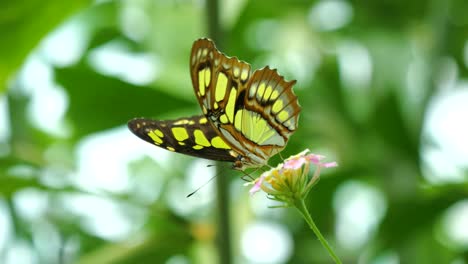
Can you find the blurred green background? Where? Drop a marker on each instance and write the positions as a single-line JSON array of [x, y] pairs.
[[384, 91]]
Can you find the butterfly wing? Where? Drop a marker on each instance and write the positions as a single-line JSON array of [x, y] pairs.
[[191, 136], [266, 118], [218, 80], [269, 114]]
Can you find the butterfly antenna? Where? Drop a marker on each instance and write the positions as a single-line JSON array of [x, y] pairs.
[[247, 177], [206, 183], [281, 156], [203, 185]]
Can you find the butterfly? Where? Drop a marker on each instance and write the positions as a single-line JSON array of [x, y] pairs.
[[247, 117]]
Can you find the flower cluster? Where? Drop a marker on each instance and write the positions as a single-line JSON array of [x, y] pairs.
[[289, 181]]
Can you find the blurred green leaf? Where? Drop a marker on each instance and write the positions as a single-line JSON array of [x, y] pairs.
[[98, 102], [23, 24]]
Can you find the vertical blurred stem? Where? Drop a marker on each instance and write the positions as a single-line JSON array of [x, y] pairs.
[[438, 17], [212, 19], [224, 226], [224, 230]]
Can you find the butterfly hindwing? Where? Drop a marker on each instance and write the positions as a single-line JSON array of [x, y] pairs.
[[192, 136], [271, 96], [265, 119]]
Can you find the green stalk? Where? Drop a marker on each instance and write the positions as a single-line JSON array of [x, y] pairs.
[[300, 205]]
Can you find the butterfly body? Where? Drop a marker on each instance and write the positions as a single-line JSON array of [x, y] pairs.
[[247, 117]]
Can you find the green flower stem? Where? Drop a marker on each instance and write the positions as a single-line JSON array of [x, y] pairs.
[[300, 205]]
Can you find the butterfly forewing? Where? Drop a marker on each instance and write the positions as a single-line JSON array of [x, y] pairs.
[[218, 80], [192, 136]]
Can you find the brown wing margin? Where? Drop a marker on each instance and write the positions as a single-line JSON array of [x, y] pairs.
[[143, 127]]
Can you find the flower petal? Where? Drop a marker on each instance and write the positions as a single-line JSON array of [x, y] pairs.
[[257, 184], [330, 164], [314, 158], [295, 163]]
